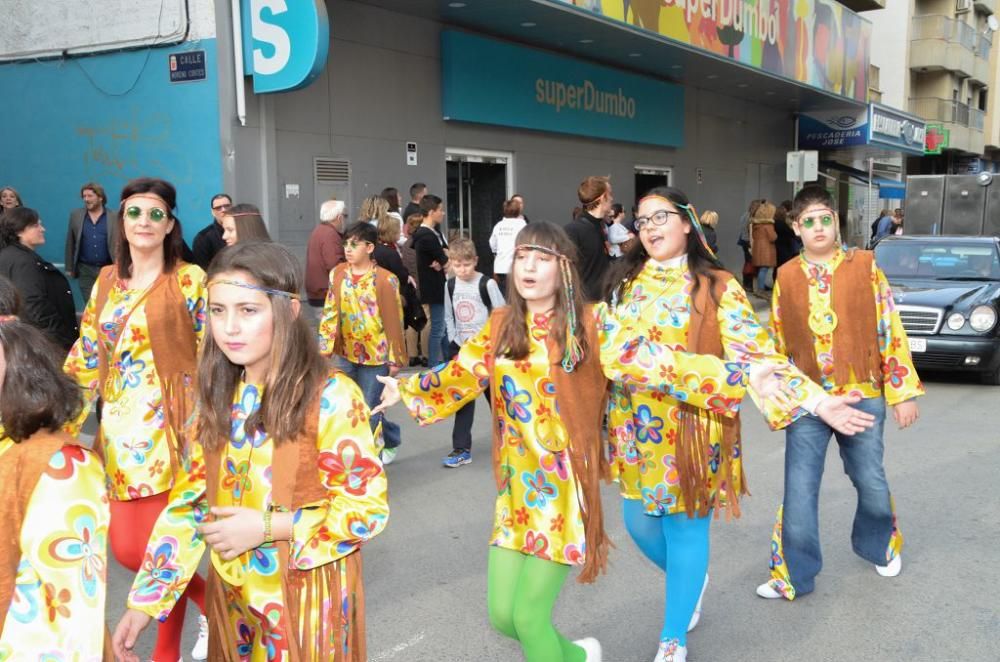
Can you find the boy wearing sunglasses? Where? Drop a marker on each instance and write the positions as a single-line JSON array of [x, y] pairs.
[[832, 314]]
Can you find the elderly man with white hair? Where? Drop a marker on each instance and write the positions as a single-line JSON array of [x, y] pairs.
[[324, 251]]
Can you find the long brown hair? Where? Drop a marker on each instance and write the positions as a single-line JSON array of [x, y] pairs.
[[296, 369], [513, 338], [249, 223], [173, 243]]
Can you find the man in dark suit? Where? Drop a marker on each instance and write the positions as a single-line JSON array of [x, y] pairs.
[[209, 241], [91, 238]]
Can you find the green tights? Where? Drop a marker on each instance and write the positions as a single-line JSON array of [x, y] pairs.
[[521, 592]]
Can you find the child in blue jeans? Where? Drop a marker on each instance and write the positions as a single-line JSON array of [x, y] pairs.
[[469, 298]]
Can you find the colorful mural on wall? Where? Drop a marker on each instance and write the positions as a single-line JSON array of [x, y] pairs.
[[816, 42]]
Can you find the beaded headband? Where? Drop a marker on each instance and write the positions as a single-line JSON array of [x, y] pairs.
[[8, 318], [574, 353], [250, 286], [692, 216]]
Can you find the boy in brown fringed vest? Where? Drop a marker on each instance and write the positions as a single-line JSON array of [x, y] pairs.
[[832, 313]]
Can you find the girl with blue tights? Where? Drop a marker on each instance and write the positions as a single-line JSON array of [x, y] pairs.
[[676, 465]]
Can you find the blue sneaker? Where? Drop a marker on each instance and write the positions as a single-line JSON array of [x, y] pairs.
[[457, 458]]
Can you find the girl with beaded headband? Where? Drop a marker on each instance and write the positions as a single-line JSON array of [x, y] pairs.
[[547, 359], [53, 504], [281, 481], [671, 286]]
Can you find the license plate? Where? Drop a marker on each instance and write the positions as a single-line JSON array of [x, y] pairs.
[[918, 344]]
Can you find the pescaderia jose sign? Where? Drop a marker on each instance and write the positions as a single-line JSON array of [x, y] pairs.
[[494, 82]]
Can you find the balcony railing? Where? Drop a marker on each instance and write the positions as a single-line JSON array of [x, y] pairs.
[[943, 27], [935, 109], [984, 44], [977, 119]]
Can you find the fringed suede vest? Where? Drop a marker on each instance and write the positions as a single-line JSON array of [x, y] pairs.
[[581, 398], [296, 482], [385, 297], [856, 356], [694, 434]]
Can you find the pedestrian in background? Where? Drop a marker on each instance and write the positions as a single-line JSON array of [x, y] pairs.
[[709, 221], [432, 260], [244, 223], [53, 505], [762, 238], [417, 192], [45, 292], [788, 245], [91, 237], [587, 233], [744, 242], [619, 236], [417, 330], [502, 240], [324, 251], [9, 199], [209, 240], [391, 196]]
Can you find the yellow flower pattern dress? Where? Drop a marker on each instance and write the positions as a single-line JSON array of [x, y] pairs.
[[57, 610], [644, 423], [900, 379], [136, 450], [358, 322], [537, 510], [356, 511]]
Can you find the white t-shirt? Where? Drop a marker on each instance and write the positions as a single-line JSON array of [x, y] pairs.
[[467, 314], [618, 234], [502, 243]]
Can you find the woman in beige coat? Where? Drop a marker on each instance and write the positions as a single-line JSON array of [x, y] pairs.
[[762, 238]]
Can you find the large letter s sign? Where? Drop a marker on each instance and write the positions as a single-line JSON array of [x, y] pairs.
[[285, 43]]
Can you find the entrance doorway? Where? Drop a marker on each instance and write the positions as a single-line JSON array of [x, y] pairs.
[[649, 177], [478, 183]]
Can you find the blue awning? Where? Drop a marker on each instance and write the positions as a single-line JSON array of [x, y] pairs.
[[890, 189]]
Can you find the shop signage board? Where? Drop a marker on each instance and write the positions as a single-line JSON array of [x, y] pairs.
[[285, 42], [891, 128], [833, 129], [819, 43], [495, 82], [936, 139]]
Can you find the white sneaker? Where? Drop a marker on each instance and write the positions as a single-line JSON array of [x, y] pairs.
[[671, 651], [200, 650], [696, 616], [765, 590], [590, 646], [388, 455], [894, 568]]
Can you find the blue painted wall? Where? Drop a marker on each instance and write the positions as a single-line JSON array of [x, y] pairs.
[[109, 118]]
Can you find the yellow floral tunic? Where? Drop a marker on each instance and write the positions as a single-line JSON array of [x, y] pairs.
[[537, 509], [136, 451], [644, 423], [57, 610], [356, 511], [901, 380], [358, 321]]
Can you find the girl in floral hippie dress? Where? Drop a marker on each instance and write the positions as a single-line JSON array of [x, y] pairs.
[[281, 481], [675, 463], [53, 505], [547, 449]]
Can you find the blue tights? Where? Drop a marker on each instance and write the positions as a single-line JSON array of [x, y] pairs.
[[678, 545]]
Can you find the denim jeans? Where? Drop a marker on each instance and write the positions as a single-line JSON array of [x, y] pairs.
[[762, 274], [438, 342], [805, 453], [364, 376]]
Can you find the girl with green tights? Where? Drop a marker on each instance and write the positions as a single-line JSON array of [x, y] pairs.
[[547, 449]]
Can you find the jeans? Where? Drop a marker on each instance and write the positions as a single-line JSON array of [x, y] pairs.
[[438, 342], [805, 454], [461, 433], [762, 274], [371, 388]]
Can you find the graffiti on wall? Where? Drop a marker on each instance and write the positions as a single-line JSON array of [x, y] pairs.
[[816, 42]]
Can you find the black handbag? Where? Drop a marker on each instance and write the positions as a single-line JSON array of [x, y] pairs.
[[413, 313]]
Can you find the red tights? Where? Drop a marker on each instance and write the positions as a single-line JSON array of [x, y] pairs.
[[131, 525]]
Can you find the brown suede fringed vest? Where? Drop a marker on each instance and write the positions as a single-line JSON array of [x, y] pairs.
[[694, 432], [296, 482], [385, 297], [856, 356], [581, 398], [171, 333], [21, 467]]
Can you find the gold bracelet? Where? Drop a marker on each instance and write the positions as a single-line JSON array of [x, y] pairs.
[[268, 538]]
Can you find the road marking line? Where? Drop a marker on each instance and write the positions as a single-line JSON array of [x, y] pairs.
[[398, 648]]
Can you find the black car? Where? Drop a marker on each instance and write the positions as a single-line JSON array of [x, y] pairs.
[[947, 291]]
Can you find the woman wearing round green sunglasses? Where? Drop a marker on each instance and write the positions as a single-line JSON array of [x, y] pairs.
[[138, 341]]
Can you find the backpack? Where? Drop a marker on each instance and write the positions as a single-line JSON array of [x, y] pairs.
[[484, 293]]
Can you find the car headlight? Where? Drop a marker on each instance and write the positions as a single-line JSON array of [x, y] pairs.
[[983, 318], [956, 321]]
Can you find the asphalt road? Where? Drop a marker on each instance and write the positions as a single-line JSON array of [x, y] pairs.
[[425, 576]]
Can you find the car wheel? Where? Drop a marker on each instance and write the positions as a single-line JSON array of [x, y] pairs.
[[991, 377]]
